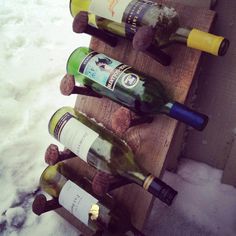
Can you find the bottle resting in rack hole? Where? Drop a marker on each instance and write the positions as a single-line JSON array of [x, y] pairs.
[[140, 93], [76, 196], [101, 182], [104, 150], [125, 17]]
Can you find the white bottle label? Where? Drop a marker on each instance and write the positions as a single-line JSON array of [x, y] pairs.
[[75, 135], [109, 9], [77, 201]]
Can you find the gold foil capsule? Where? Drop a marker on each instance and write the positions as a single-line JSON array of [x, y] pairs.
[[94, 212]]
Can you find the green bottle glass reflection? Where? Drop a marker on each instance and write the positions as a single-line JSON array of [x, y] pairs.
[[104, 150], [123, 18], [75, 195], [141, 93]]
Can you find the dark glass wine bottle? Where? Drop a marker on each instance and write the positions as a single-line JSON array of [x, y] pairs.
[[141, 93], [76, 196], [125, 17], [104, 150]]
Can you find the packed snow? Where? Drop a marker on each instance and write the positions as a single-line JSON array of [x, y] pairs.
[[203, 206], [36, 40]]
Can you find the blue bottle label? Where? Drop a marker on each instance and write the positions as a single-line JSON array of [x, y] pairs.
[[106, 71]]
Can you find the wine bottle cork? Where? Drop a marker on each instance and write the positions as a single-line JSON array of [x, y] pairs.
[[42, 205], [81, 25], [121, 120], [52, 155], [68, 87]]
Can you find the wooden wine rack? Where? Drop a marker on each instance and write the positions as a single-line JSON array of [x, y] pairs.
[[154, 139]]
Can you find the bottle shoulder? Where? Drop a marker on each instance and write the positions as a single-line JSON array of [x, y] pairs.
[[75, 59]]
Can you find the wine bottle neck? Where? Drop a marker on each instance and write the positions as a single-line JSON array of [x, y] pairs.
[[184, 114], [159, 189], [167, 108], [136, 177], [200, 40]]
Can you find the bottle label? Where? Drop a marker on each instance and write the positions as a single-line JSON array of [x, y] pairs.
[[77, 201], [110, 9], [106, 71], [134, 16], [75, 135]]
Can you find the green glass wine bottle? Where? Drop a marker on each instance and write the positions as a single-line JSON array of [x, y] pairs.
[[76, 196], [128, 87], [124, 17], [104, 150]]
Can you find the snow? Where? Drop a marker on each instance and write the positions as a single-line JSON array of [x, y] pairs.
[[16, 217], [203, 206], [36, 41]]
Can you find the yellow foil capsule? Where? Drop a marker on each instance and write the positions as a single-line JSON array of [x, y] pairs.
[[204, 41], [148, 182]]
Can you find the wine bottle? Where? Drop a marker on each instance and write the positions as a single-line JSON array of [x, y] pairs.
[[102, 183], [140, 93], [77, 198], [104, 150], [125, 17]]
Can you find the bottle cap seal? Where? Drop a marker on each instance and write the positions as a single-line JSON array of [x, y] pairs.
[[206, 42]]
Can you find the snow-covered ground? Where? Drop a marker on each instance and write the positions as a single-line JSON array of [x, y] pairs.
[[203, 206], [36, 40]]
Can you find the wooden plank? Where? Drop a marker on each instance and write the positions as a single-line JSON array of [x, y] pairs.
[[155, 138], [216, 97], [196, 3], [229, 175], [76, 223], [175, 148], [177, 144]]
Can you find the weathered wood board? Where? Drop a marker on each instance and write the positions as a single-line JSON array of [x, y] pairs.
[[216, 97], [229, 175], [178, 142], [197, 3], [154, 139]]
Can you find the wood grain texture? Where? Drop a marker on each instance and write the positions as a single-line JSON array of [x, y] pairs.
[[155, 138], [229, 175], [78, 165], [178, 141], [216, 97], [196, 3], [76, 223]]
